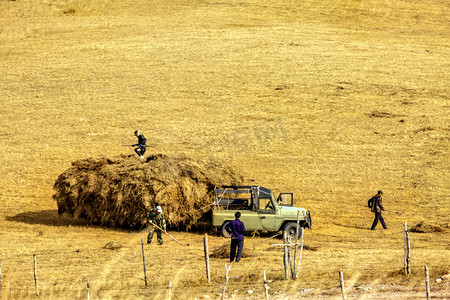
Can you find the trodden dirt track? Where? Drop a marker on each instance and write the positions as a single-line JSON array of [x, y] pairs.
[[331, 100]]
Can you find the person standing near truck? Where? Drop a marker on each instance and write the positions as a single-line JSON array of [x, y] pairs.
[[236, 228]]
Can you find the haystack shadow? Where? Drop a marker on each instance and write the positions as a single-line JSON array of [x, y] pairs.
[[50, 217], [47, 217]]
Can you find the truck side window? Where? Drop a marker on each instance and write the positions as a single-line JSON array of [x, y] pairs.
[[265, 204]]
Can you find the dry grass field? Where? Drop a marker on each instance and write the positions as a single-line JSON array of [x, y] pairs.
[[331, 100]]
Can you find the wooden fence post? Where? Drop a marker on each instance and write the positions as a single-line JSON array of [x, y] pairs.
[[88, 290], [143, 260], [11, 289], [35, 275], [205, 244], [1, 282], [300, 258], [296, 240], [286, 258], [427, 283], [227, 269], [407, 258], [341, 277], [405, 255], [265, 285], [170, 288]]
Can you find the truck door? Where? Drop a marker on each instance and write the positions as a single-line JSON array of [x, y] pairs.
[[266, 213]]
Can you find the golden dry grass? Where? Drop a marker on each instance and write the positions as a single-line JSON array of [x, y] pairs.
[[331, 100]]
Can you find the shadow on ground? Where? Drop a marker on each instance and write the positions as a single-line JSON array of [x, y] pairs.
[[353, 226], [51, 217], [48, 217]]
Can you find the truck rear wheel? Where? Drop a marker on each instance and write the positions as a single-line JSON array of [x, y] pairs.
[[291, 229], [224, 232]]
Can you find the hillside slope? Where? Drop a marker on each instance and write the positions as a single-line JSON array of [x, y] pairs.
[[330, 100]]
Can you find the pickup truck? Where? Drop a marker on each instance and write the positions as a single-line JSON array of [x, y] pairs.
[[259, 208]]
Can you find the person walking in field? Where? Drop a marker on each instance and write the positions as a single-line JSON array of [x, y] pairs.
[[142, 147], [236, 228], [376, 206], [156, 217]]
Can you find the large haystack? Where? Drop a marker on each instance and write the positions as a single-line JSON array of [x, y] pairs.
[[119, 191]]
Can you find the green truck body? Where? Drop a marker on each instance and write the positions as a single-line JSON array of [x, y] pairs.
[[259, 209]]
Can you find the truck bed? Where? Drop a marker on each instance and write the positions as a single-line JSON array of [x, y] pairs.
[[232, 204]]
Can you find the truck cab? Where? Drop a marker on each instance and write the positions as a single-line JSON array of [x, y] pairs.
[[259, 208]]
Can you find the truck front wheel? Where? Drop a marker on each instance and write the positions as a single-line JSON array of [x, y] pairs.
[[224, 232], [291, 229]]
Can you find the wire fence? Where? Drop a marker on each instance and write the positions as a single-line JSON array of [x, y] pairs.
[[121, 271]]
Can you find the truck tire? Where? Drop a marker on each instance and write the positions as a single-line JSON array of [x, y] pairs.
[[291, 228], [308, 219], [224, 232]]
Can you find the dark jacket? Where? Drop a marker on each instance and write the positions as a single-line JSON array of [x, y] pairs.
[[236, 228], [375, 204], [141, 140]]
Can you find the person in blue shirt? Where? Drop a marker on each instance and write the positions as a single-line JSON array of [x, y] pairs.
[[236, 228]]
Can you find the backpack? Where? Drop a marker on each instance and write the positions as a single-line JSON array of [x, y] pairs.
[[373, 206]]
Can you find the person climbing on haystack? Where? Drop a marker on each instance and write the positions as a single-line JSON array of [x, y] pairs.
[[376, 207], [156, 217], [142, 147], [236, 228]]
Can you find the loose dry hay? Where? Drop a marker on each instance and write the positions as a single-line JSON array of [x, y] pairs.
[[223, 251], [422, 227], [113, 245], [381, 114], [118, 192], [305, 247]]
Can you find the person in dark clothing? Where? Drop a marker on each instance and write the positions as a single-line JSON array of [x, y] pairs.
[[376, 206], [142, 147], [236, 228]]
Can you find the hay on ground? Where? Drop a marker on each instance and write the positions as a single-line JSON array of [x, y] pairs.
[[119, 191], [113, 245], [305, 247], [422, 227], [223, 251]]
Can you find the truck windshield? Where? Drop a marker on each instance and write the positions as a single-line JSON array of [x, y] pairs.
[[274, 200], [266, 204]]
